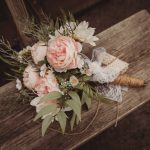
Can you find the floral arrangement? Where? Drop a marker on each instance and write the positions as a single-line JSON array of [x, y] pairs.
[[58, 78]]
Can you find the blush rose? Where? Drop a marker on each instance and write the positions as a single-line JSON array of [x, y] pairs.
[[62, 53]]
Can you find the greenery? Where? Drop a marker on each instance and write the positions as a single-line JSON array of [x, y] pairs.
[[41, 31]]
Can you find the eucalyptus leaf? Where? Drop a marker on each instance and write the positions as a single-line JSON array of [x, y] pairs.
[[51, 96], [91, 94], [86, 90], [86, 99], [46, 123], [75, 106], [72, 121], [80, 86], [75, 97], [46, 110], [85, 78], [82, 99], [62, 119], [77, 120]]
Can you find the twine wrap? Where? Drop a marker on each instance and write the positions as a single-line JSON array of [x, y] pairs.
[[126, 80]]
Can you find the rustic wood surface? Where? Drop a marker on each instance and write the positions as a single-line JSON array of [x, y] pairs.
[[128, 40], [19, 14]]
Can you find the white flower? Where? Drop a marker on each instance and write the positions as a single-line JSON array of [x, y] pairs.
[[85, 34], [43, 70], [30, 77], [18, 84], [74, 81], [38, 52]]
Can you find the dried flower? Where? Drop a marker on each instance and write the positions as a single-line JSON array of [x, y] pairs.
[[74, 81], [85, 34]]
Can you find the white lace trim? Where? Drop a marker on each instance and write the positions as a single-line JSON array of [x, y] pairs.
[[113, 92], [108, 73]]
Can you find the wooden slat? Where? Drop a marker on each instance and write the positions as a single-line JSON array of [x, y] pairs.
[[19, 13], [128, 40]]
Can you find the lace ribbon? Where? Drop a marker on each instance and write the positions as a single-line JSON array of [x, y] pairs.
[[106, 68]]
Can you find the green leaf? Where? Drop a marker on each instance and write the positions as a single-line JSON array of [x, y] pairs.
[[82, 99], [75, 97], [86, 99], [46, 123], [75, 106], [9, 75], [62, 119], [72, 121], [86, 89], [6, 61], [77, 120], [46, 110], [15, 70], [51, 96], [85, 78], [91, 93], [71, 18], [80, 86]]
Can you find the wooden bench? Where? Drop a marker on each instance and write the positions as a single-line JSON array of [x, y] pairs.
[[128, 40]]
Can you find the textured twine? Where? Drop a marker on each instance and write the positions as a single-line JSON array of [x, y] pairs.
[[126, 80]]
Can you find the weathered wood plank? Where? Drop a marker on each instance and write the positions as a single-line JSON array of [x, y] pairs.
[[129, 40], [19, 14]]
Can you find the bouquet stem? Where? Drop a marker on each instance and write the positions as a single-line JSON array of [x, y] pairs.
[[126, 80]]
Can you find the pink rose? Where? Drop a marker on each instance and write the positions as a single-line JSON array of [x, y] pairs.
[[30, 77], [38, 52], [47, 84], [62, 53]]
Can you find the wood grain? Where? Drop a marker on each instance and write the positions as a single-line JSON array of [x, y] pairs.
[[128, 40], [19, 14]]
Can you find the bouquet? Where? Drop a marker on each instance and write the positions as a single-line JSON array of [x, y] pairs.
[[58, 78]]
